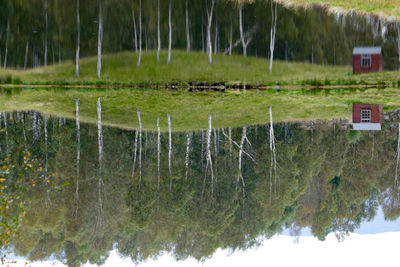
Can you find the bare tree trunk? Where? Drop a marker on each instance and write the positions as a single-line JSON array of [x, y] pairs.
[[216, 34], [209, 23], [230, 40], [188, 44], [396, 179], [47, 29], [158, 152], [7, 40], [240, 174], [158, 32], [140, 149], [170, 31], [272, 150], [134, 29], [170, 152], [187, 155], [398, 43], [6, 129], [78, 40], [245, 43], [26, 55], [312, 54], [135, 153], [274, 15], [100, 133], [78, 148], [140, 34], [209, 159], [99, 40], [202, 38]]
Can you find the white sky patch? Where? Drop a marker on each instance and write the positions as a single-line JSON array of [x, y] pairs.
[[356, 250]]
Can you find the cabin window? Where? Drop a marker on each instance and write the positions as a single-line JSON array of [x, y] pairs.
[[366, 61], [365, 116]]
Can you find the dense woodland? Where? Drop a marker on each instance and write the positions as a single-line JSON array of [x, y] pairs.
[[42, 32], [79, 190]]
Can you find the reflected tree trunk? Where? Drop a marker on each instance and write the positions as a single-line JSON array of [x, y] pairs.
[[99, 40], [272, 150], [100, 132], [78, 151], [210, 13], [398, 43], [396, 178], [187, 158], [6, 129], [46, 145], [170, 152], [274, 12], [158, 152], [140, 149], [240, 173], [78, 39], [208, 151]]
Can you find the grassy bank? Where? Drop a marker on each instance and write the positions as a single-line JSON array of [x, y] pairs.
[[386, 8], [189, 111], [188, 67]]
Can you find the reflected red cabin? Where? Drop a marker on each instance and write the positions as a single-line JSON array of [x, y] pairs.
[[367, 116], [367, 59]]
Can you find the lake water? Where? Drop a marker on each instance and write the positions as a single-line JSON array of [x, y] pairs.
[[78, 193]]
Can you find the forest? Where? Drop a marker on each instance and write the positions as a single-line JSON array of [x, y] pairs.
[[74, 192], [44, 32]]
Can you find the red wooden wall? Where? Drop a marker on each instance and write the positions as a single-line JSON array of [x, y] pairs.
[[376, 64], [376, 112]]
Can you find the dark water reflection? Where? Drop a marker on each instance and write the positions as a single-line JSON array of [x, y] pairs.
[[65, 196]]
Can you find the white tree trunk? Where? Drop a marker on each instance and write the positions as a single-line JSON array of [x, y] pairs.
[[78, 40], [158, 31], [7, 39], [140, 34], [240, 174], [272, 150], [26, 55], [230, 40], [187, 160], [274, 15], [396, 178], [47, 29], [170, 152], [216, 34], [170, 31], [134, 30], [188, 43], [78, 148], [208, 151], [140, 149], [242, 37], [99, 40], [158, 153], [209, 23], [100, 133]]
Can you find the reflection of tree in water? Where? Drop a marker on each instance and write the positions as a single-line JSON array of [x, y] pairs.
[[328, 186]]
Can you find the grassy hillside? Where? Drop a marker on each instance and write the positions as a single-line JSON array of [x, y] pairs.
[[189, 111], [186, 67], [383, 7]]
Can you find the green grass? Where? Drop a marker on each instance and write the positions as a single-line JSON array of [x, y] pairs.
[[187, 67], [383, 7], [189, 111]]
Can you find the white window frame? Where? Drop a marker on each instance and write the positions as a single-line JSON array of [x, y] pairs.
[[366, 59], [365, 116]]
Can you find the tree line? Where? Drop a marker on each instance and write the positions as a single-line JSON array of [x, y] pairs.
[[42, 32]]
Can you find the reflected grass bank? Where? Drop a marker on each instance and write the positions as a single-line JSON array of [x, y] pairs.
[[189, 111]]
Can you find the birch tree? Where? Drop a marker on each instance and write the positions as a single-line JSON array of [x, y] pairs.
[[170, 151], [140, 34], [170, 31], [188, 43], [210, 13], [7, 41], [158, 31], [245, 42], [46, 32], [274, 15], [26, 55], [158, 152], [78, 148], [78, 39], [99, 40], [135, 35]]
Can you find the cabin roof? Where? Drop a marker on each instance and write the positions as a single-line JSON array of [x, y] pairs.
[[372, 50], [367, 126]]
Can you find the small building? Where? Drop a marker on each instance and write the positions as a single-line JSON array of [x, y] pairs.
[[367, 59], [367, 117]]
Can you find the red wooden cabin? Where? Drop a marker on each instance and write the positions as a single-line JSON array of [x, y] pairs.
[[367, 116], [367, 59]]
